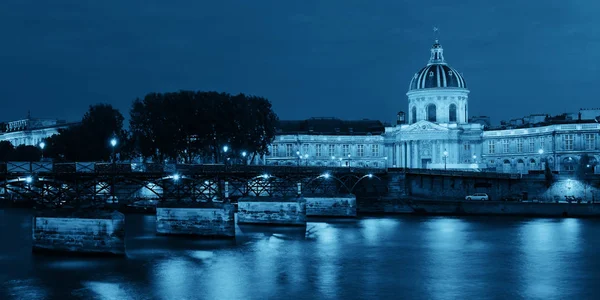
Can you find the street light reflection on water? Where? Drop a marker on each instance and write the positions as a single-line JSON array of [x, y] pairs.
[[366, 258]]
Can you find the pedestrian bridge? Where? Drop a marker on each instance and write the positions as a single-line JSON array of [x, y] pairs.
[[54, 185]]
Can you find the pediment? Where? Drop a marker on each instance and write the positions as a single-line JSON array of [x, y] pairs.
[[425, 126]]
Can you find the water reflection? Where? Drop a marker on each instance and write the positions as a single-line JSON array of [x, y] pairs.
[[368, 258]]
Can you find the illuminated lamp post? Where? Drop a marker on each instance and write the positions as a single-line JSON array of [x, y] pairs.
[[42, 146], [244, 153], [445, 159], [113, 144], [541, 152], [306, 159]]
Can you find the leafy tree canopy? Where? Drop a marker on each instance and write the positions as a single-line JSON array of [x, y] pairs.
[[187, 125]]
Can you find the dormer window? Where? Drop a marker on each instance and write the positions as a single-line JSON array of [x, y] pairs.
[[430, 73], [450, 73]]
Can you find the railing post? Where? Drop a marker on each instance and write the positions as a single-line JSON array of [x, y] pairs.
[[226, 190], [299, 188]]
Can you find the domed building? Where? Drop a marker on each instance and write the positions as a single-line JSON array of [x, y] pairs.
[[437, 133], [438, 92]]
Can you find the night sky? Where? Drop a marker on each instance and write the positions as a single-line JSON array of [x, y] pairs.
[[346, 58]]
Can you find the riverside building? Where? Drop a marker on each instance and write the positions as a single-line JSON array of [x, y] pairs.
[[437, 133]]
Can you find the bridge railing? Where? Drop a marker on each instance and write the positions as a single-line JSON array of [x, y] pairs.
[[119, 167]]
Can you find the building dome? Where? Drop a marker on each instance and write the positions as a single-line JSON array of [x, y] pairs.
[[437, 73]]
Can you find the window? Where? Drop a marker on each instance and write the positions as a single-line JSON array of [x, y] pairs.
[[590, 141], [289, 150], [505, 146], [449, 73], [519, 145], [331, 150], [304, 149], [430, 73], [532, 145], [467, 147], [318, 150], [375, 150], [431, 113], [568, 141], [345, 150], [491, 147], [274, 150], [360, 150], [413, 115], [452, 112]]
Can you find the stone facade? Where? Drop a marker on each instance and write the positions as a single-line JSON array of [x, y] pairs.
[[30, 131], [217, 221], [437, 135], [331, 206], [99, 234], [272, 211]]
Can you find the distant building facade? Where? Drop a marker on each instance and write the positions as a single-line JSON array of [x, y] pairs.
[[30, 131], [437, 133]]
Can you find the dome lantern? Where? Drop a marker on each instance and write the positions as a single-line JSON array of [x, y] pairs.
[[437, 73]]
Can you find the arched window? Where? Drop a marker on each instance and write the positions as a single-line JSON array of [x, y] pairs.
[[413, 115], [431, 113], [452, 112]]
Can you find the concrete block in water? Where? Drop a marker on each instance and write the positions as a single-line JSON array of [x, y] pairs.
[[93, 232], [331, 206], [272, 210], [206, 219]]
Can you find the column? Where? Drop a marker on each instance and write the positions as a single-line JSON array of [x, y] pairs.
[[402, 154], [408, 153]]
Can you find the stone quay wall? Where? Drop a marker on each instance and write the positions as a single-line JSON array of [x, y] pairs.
[[212, 220], [272, 211], [538, 209], [456, 187], [92, 234], [331, 206]]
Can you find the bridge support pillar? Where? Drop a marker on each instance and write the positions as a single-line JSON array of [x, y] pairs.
[[201, 219], [100, 233], [343, 206], [272, 211]]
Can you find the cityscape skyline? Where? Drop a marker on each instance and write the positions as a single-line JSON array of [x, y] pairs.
[[334, 57]]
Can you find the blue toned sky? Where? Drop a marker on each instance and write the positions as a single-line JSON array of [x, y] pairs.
[[338, 58]]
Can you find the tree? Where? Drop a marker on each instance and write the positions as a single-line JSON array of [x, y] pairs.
[[186, 125], [89, 141], [26, 153], [6, 150]]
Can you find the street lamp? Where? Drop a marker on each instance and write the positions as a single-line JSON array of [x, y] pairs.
[[225, 149], [474, 159], [244, 153], [349, 163], [113, 143], [445, 159], [42, 146], [306, 159], [541, 152]]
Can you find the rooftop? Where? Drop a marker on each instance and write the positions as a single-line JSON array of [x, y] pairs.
[[330, 126]]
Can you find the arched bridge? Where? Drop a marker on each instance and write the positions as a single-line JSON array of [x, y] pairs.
[[95, 184]]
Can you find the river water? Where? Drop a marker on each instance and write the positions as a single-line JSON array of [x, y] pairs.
[[367, 258]]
